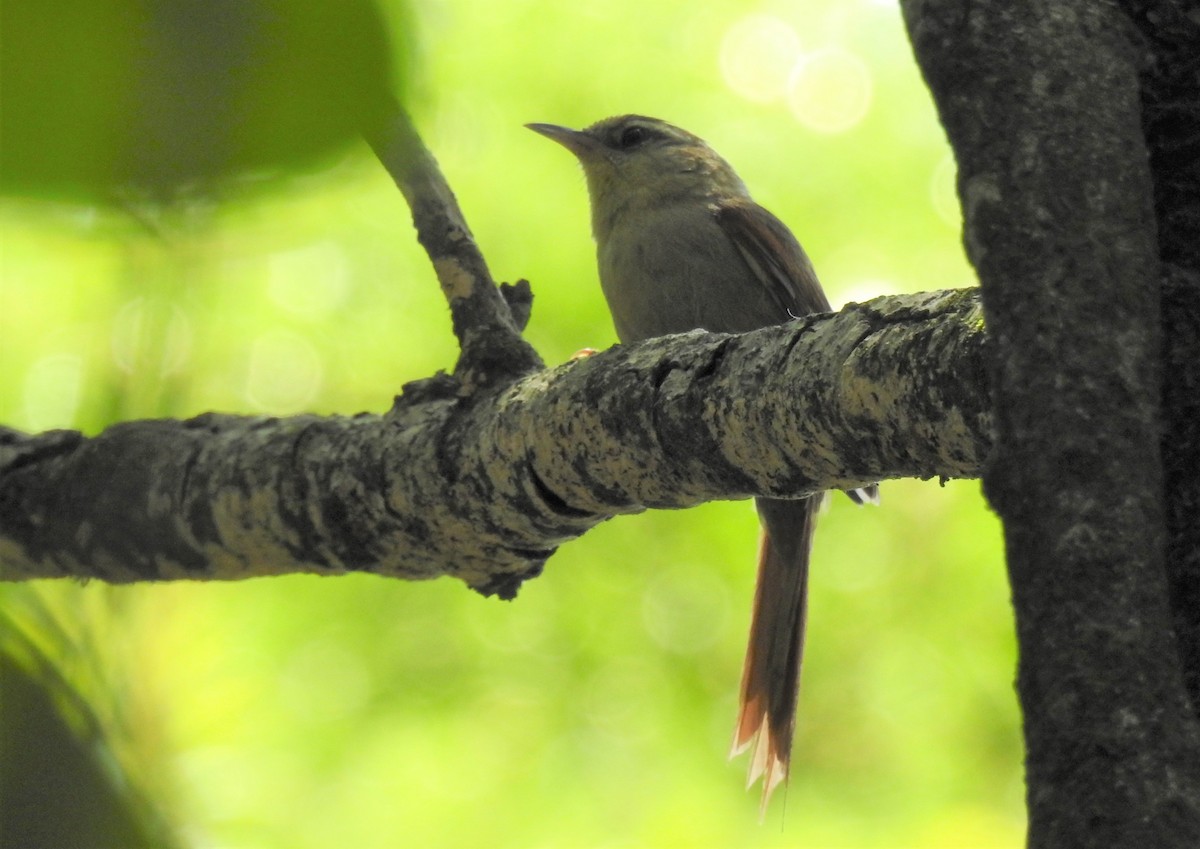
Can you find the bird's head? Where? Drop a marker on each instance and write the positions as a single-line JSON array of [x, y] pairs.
[[633, 162]]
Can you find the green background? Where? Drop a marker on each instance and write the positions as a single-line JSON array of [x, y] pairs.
[[596, 709]]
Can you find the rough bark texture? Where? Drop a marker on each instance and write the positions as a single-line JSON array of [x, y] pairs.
[[1170, 40], [1181, 460], [484, 486], [1040, 100]]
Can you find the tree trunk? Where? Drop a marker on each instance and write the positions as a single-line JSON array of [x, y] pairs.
[[1041, 102]]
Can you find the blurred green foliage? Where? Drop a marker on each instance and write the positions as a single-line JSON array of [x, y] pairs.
[[596, 709], [69, 771], [108, 100]]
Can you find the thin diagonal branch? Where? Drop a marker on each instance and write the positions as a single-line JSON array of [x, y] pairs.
[[488, 330]]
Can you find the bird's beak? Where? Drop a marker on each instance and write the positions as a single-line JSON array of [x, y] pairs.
[[576, 141]]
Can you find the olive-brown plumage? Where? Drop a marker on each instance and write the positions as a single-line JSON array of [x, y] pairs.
[[681, 245]]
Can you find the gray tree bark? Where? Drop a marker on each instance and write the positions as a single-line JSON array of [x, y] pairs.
[[483, 484], [1168, 36], [1042, 101]]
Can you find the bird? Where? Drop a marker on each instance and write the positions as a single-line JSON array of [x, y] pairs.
[[681, 245]]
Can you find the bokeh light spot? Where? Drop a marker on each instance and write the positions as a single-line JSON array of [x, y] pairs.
[[141, 340], [619, 692], [51, 392], [323, 681], [310, 281], [685, 611], [284, 374], [830, 90], [757, 54]]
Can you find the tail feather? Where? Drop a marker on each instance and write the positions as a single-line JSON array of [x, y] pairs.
[[771, 675], [865, 494]]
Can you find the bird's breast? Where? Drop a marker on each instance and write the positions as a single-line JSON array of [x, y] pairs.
[[674, 269]]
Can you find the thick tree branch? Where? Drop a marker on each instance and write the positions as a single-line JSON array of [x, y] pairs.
[[484, 487], [1060, 225]]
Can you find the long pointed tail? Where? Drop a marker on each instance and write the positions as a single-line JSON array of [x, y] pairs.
[[771, 675]]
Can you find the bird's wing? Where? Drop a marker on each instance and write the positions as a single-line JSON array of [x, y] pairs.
[[774, 256]]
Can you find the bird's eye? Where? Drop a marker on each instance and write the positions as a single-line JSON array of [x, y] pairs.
[[632, 137]]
